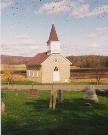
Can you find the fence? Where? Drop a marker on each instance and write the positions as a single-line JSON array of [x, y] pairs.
[[89, 73]]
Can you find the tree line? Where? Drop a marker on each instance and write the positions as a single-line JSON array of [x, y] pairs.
[[89, 61]]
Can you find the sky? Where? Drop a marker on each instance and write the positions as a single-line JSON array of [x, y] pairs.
[[81, 25]]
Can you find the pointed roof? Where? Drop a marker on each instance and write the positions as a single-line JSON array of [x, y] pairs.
[[38, 59], [53, 35]]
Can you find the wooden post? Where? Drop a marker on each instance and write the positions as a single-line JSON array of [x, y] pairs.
[[60, 97], [52, 104], [32, 85], [2, 107]]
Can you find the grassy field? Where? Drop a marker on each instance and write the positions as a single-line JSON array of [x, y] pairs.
[[29, 82], [30, 116]]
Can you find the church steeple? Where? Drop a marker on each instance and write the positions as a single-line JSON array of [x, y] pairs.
[[53, 42], [53, 35]]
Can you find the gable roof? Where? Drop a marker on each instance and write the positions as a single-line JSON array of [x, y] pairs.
[[53, 35], [58, 55], [38, 59]]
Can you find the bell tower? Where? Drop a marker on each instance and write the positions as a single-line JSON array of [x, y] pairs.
[[53, 43]]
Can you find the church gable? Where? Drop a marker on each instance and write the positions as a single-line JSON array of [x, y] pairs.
[[57, 59], [55, 68]]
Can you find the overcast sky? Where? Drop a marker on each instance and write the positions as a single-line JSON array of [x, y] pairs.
[[81, 25]]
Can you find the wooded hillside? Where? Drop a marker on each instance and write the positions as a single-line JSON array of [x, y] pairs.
[[87, 61], [90, 61]]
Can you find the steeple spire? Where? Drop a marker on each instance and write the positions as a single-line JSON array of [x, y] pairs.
[[53, 35], [53, 44]]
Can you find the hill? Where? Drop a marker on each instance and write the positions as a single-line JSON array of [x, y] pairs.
[[87, 61], [6, 59]]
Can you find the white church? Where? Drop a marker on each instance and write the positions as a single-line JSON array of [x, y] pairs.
[[50, 66]]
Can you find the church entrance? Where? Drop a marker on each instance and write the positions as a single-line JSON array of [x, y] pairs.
[[56, 75]]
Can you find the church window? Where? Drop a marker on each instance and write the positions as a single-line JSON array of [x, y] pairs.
[[56, 69], [37, 74], [33, 73]]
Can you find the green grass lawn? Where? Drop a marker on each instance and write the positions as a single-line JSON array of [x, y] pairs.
[[29, 82], [30, 116]]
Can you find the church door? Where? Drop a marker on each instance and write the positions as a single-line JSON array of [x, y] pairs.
[[56, 75]]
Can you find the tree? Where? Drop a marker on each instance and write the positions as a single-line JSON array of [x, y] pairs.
[[8, 74]]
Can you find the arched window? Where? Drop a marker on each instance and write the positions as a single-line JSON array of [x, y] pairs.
[[56, 69]]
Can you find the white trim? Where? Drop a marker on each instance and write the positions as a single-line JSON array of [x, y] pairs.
[[56, 55], [29, 73], [32, 73], [66, 59], [37, 74]]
